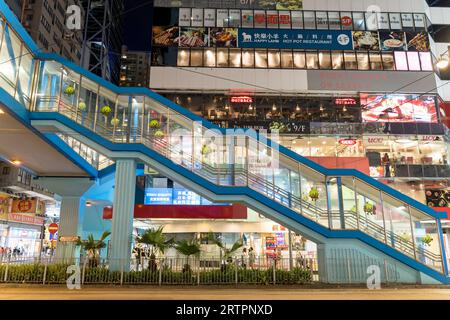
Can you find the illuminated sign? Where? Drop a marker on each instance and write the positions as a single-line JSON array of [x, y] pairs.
[[347, 101], [347, 142], [241, 99]]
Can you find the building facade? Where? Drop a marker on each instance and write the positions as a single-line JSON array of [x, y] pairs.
[[134, 68]]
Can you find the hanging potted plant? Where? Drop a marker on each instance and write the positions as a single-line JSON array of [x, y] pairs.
[[115, 121], [105, 110], [426, 240], [82, 105], [69, 90], [158, 134], [314, 194], [154, 124], [206, 150], [368, 208]]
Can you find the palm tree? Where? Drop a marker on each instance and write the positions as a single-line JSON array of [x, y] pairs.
[[93, 247], [156, 242], [188, 248], [227, 253]]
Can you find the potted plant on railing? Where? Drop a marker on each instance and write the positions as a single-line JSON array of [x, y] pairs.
[[205, 151], [69, 90], [155, 242], [115, 122], [154, 124], [314, 194], [426, 240], [92, 247], [369, 208], [158, 134], [82, 106], [106, 110], [188, 248]]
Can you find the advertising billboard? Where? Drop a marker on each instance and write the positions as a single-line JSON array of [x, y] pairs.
[[398, 108]]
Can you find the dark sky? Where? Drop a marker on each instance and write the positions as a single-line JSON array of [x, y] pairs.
[[137, 24]]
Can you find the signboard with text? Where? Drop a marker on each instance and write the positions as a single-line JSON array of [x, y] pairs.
[[295, 39]]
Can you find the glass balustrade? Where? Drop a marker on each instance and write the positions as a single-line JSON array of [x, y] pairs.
[[237, 159]]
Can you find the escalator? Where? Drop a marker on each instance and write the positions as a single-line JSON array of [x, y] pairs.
[[355, 220]]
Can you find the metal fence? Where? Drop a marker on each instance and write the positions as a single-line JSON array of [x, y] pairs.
[[160, 271]]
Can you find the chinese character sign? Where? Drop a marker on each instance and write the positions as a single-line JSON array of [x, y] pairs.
[[295, 39]]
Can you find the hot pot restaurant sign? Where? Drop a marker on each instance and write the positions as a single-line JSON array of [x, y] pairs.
[[295, 39]]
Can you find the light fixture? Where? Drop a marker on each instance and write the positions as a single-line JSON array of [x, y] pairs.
[[344, 109], [297, 107], [227, 107], [309, 142], [2, 112], [274, 107], [442, 62], [16, 162], [250, 107], [321, 108], [293, 142], [88, 204]]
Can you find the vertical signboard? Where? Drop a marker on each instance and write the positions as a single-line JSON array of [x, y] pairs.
[[184, 18], [210, 18], [197, 17]]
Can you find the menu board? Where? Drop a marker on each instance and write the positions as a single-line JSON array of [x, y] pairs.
[[184, 18], [165, 36], [197, 17], [247, 18], [398, 108], [209, 18]]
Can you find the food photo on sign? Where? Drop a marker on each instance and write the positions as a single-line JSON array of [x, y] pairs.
[[398, 108], [366, 40], [392, 41], [192, 37], [165, 36], [417, 41], [223, 37]]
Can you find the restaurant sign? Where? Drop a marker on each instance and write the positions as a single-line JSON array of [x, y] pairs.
[[295, 39]]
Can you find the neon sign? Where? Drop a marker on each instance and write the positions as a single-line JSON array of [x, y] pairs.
[[241, 99]]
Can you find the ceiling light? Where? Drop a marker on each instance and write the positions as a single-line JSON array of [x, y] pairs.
[[274, 107], [88, 204], [250, 107], [2, 112], [16, 162], [297, 108]]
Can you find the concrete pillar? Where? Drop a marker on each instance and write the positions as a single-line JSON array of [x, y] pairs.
[[123, 210], [71, 208]]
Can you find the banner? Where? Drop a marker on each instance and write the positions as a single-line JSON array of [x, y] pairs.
[[295, 39]]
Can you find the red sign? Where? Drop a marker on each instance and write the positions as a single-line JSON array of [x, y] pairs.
[[347, 142], [53, 228], [348, 101], [241, 99], [346, 21], [24, 218]]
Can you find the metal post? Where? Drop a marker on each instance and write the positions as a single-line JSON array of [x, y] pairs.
[[274, 272], [198, 273], [412, 231], [290, 250], [247, 165], [386, 273], [341, 202], [84, 270], [160, 275], [349, 271], [121, 273], [382, 213], [5, 278], [45, 273], [236, 271], [356, 204]]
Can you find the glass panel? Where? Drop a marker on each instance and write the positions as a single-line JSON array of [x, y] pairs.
[[274, 58], [87, 103], [350, 61], [363, 60], [358, 21], [425, 61], [235, 58], [248, 58], [337, 59], [333, 200], [349, 203], [322, 20], [324, 60], [314, 195], [209, 57], [222, 57], [49, 86], [135, 120], [375, 61], [299, 60], [388, 61], [260, 58], [297, 19], [155, 126], [310, 19], [9, 52], [120, 120], [312, 61], [400, 60], [183, 58], [105, 112], [69, 93], [25, 77], [196, 57], [334, 20], [413, 61], [287, 60]]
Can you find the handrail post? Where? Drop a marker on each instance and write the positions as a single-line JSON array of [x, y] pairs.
[[356, 203], [44, 277], [413, 238], [382, 214], [5, 278]]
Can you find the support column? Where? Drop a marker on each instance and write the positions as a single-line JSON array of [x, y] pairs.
[[66, 249], [123, 210]]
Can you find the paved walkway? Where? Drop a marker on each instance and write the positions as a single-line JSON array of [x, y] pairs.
[[231, 293]]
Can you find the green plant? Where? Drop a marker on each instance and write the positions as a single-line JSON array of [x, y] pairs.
[[227, 253], [69, 90], [158, 134], [156, 242], [206, 150], [405, 237], [105, 110], [353, 209], [314, 194], [368, 208], [92, 247], [426, 240], [115, 121], [154, 124], [82, 105], [188, 248]]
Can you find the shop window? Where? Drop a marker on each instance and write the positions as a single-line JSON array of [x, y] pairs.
[[299, 59], [209, 58], [183, 58], [196, 57], [222, 57], [413, 61], [260, 58], [358, 21], [388, 61], [425, 61], [312, 61], [325, 60], [375, 61], [400, 60], [286, 59], [235, 58], [310, 19], [350, 61], [248, 58], [274, 59], [337, 60], [363, 60]]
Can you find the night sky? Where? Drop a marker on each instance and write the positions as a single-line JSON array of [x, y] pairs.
[[138, 24]]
